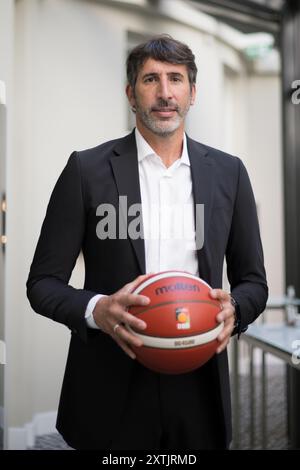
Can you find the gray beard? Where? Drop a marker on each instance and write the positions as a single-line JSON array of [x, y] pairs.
[[161, 128]]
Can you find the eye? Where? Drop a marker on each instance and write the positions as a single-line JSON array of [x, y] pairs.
[[176, 79], [149, 79]]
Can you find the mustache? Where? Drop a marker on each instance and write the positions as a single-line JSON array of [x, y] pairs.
[[165, 105]]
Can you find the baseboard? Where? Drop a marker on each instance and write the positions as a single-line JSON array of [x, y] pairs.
[[24, 437]]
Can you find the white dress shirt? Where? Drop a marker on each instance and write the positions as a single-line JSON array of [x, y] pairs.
[[168, 214]]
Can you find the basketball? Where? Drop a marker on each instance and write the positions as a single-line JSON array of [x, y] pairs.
[[182, 329]]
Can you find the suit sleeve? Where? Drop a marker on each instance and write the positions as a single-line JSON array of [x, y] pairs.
[[244, 256], [56, 253]]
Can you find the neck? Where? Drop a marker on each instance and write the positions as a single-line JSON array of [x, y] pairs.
[[168, 148]]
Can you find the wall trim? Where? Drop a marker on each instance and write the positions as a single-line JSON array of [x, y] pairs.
[[23, 437]]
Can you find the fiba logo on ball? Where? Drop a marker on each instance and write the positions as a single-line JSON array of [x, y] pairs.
[[182, 318], [182, 329]]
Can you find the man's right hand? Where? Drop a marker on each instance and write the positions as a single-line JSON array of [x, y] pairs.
[[111, 311]]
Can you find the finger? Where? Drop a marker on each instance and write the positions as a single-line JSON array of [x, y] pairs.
[[120, 315], [222, 346], [225, 334], [134, 322], [132, 285], [128, 300], [225, 314], [219, 294], [129, 338], [125, 347]]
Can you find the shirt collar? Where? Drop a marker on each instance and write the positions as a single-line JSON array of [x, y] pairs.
[[144, 150]]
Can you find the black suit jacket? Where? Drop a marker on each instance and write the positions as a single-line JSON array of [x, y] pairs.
[[98, 371]]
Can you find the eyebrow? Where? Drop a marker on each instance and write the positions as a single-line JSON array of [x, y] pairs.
[[155, 74]]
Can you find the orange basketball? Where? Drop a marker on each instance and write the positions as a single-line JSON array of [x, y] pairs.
[[181, 323]]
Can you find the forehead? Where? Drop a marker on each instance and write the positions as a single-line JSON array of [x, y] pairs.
[[155, 66]]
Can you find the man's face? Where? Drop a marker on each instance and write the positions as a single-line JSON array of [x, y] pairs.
[[162, 96]]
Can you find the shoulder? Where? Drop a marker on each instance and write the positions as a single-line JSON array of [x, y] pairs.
[[103, 152], [216, 155], [223, 163]]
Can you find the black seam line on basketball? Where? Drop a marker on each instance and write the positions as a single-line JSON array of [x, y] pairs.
[[178, 337], [185, 346], [176, 302]]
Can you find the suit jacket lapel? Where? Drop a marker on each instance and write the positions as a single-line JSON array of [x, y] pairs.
[[125, 169], [202, 170]]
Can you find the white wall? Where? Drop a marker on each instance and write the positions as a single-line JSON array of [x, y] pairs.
[[264, 163], [66, 99], [69, 78]]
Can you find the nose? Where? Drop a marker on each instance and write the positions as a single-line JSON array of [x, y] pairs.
[[164, 89]]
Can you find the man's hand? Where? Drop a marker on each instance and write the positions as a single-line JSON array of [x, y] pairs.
[[226, 315], [111, 315]]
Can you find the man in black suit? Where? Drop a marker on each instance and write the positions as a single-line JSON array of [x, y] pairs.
[[109, 400]]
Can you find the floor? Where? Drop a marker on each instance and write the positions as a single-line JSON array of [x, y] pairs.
[[276, 428]]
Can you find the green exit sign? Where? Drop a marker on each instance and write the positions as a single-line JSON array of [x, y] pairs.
[[257, 51]]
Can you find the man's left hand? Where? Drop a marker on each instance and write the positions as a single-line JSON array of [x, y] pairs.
[[226, 315]]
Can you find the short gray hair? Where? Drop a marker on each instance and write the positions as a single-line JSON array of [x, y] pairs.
[[162, 48]]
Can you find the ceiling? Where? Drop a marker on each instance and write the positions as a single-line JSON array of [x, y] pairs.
[[247, 16]]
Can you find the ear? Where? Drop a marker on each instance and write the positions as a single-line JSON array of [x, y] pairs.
[[193, 94], [130, 95]]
